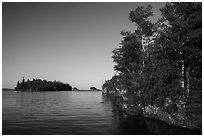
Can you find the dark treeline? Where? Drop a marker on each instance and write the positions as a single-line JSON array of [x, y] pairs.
[[160, 64], [42, 85]]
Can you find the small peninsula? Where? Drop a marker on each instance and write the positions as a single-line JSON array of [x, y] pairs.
[[41, 85]]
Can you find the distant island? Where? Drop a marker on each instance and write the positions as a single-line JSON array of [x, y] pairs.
[[41, 85], [75, 89], [94, 89], [91, 89]]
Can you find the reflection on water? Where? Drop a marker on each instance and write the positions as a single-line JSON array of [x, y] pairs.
[[73, 113]]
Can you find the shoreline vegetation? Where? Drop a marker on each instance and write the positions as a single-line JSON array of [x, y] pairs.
[[159, 66]]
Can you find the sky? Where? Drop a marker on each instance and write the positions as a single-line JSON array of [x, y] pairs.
[[67, 42]]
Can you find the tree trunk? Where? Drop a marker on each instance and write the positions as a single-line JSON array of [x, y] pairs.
[[188, 80], [182, 74]]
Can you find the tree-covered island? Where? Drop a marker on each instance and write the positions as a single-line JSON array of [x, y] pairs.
[[159, 65], [41, 85], [94, 89]]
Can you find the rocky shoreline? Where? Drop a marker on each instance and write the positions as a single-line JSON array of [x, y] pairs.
[[175, 119], [154, 112]]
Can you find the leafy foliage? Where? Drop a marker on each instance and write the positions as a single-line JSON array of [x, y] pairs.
[[162, 61]]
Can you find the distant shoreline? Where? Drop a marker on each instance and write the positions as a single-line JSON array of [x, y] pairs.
[[7, 89], [87, 90]]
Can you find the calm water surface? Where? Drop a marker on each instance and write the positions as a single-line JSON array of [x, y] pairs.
[[73, 113]]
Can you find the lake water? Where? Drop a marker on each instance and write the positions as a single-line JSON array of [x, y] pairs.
[[71, 113]]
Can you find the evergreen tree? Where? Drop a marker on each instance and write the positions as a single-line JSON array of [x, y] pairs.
[[185, 34], [162, 61]]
